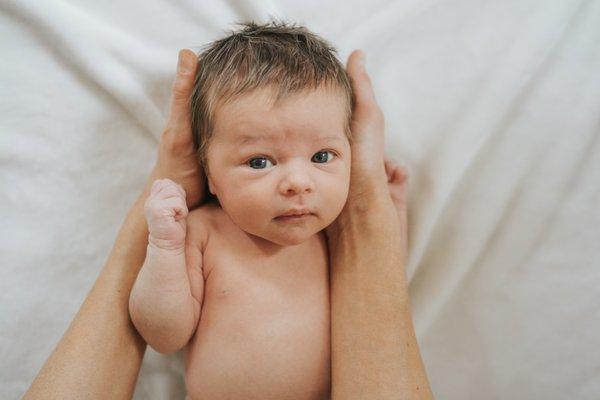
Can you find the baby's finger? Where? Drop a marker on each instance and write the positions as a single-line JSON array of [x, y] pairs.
[[156, 186], [171, 188], [178, 206], [181, 190], [168, 207], [167, 188], [180, 213]]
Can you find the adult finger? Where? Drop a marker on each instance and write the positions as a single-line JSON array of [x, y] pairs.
[[367, 118], [364, 96], [179, 116]]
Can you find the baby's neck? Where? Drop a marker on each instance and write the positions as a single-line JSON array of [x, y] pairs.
[[267, 247]]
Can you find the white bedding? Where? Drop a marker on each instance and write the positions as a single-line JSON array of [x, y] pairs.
[[493, 106]]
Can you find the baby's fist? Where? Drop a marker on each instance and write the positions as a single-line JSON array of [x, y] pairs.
[[166, 213]]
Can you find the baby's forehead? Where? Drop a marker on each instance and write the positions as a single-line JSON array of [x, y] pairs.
[[287, 134], [311, 114]]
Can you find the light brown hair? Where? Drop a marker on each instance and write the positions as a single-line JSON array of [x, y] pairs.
[[280, 55]]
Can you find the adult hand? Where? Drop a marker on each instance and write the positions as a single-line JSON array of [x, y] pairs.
[[176, 152], [367, 123], [374, 177], [367, 252], [101, 339]]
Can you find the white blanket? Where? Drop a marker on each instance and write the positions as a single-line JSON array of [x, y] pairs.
[[493, 105]]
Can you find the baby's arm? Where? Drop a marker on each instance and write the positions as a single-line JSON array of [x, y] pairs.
[[161, 304]]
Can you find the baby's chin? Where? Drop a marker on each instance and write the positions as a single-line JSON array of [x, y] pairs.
[[288, 234], [291, 236]]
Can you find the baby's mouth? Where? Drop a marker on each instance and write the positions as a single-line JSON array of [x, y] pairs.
[[292, 218]]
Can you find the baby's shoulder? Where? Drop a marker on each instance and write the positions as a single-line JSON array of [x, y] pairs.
[[201, 222], [202, 214]]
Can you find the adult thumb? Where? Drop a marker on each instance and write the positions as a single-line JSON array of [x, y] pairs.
[[182, 88]]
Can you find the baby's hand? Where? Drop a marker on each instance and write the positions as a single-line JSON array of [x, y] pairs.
[[166, 213]]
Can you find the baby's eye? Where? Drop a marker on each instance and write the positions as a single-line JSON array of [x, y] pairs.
[[258, 163], [321, 156]]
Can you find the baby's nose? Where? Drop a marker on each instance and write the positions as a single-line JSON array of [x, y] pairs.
[[297, 182]]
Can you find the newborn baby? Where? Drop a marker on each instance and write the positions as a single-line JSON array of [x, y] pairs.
[[243, 282]]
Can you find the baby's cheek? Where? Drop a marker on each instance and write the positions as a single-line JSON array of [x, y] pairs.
[[244, 210], [336, 198]]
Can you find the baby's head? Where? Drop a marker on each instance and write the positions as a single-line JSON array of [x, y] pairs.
[[270, 112]]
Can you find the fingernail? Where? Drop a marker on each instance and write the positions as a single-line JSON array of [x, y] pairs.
[[184, 64]]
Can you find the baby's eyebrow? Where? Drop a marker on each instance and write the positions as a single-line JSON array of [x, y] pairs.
[[246, 139]]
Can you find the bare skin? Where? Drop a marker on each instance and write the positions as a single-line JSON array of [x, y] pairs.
[[374, 351], [398, 186], [251, 275], [100, 354]]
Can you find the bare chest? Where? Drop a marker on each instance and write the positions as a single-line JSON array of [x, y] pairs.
[[264, 316], [288, 288]]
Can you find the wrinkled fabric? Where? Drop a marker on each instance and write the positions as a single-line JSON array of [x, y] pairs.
[[494, 107]]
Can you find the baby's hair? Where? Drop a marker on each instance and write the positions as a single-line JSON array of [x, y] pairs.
[[279, 55]]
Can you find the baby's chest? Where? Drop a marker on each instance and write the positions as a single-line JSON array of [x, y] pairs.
[[233, 274], [250, 286], [263, 317]]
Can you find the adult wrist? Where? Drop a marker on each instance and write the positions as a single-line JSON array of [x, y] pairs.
[[361, 228], [368, 191]]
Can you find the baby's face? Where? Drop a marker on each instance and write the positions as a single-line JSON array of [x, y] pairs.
[[267, 159]]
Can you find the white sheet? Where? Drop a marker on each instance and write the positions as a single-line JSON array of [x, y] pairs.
[[494, 107]]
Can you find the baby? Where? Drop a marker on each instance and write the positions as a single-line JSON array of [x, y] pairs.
[[243, 282]]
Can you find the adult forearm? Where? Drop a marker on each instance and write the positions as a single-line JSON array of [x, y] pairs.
[[161, 304], [374, 349], [100, 354]]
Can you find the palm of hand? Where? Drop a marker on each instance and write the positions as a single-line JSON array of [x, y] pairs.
[[177, 158], [370, 169]]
